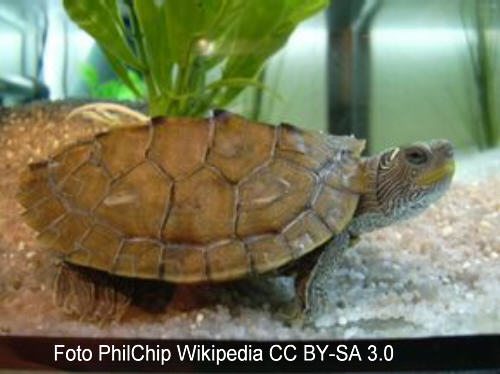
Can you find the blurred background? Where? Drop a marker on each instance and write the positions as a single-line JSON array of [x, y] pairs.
[[392, 71]]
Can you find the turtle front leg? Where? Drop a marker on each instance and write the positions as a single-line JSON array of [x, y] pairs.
[[313, 280]]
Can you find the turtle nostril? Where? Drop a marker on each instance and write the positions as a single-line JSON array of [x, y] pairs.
[[445, 148], [448, 150]]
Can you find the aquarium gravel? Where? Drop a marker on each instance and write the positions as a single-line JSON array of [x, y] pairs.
[[438, 274]]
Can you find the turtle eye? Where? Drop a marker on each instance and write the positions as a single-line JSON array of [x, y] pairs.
[[416, 156]]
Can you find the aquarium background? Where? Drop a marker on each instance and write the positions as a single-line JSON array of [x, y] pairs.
[[417, 73], [393, 71]]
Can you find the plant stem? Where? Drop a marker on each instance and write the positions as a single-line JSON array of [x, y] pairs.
[[184, 77], [257, 99], [485, 79], [157, 102]]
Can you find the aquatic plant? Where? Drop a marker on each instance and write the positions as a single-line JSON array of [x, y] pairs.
[[481, 20], [192, 54], [112, 88]]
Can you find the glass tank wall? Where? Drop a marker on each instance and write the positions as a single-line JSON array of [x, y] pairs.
[[423, 78], [393, 72]]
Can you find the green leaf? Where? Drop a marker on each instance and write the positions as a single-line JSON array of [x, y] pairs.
[[101, 19], [179, 43], [262, 31], [152, 21], [242, 83], [122, 72], [89, 74], [192, 26]]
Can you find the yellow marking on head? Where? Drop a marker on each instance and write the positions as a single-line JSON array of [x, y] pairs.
[[394, 153], [437, 174]]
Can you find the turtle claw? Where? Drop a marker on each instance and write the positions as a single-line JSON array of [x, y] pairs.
[[354, 241], [290, 315], [295, 315]]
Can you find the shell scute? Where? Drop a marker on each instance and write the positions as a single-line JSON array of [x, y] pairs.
[[268, 252], [228, 260], [138, 258], [305, 148], [62, 234], [272, 197], [306, 233], [335, 207], [35, 185], [134, 139], [137, 202], [86, 187], [202, 209], [239, 147], [44, 212], [97, 248], [187, 264], [69, 160], [179, 145]]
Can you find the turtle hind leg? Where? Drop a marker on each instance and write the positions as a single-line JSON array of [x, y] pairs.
[[97, 296], [92, 295]]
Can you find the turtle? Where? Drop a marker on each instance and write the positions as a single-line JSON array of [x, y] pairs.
[[210, 200]]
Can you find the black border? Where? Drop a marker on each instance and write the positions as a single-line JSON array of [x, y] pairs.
[[420, 354]]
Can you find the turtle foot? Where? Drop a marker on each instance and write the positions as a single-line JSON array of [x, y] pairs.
[[295, 315]]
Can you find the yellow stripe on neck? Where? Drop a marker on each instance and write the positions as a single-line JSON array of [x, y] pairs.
[[437, 174]]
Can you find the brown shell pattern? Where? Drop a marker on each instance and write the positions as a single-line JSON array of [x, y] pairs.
[[193, 200]]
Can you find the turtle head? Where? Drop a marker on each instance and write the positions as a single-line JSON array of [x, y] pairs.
[[403, 181]]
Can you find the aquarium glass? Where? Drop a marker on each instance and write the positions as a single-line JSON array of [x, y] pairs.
[[264, 170]]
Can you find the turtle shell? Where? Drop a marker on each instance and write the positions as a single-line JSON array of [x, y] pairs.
[[192, 200]]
